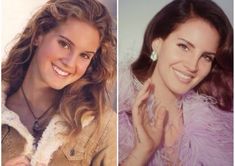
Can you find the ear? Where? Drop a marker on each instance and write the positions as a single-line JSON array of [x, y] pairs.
[[156, 44], [37, 41]]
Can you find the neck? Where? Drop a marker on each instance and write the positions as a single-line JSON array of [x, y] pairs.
[[39, 95], [37, 91], [163, 94]]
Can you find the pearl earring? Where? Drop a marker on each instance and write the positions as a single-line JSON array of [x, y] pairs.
[[153, 56]]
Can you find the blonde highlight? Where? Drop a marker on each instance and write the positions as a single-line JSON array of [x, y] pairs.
[[88, 94]]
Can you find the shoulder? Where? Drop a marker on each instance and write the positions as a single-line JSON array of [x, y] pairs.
[[109, 121], [208, 132], [105, 152], [203, 109]]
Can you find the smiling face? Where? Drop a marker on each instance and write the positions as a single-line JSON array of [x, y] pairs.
[[63, 54], [185, 57]]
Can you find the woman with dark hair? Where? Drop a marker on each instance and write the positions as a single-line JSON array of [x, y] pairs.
[[177, 107], [56, 80]]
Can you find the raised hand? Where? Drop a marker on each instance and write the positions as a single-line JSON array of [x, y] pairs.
[[148, 132]]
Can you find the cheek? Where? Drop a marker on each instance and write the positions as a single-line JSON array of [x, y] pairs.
[[80, 71], [169, 55], [49, 51], [45, 60], [168, 59], [204, 70], [82, 67]]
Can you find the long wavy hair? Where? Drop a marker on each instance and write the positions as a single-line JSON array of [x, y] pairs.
[[219, 82], [88, 95]]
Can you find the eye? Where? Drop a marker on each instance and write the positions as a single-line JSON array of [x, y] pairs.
[[64, 44], [183, 46], [208, 58], [85, 55]]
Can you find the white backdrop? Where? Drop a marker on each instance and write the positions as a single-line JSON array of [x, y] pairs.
[[16, 13], [15, 16]]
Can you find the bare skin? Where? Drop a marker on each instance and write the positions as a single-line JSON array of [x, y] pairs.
[[18, 161], [184, 60], [150, 135], [56, 64]]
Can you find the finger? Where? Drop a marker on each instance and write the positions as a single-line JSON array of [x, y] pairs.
[[148, 123], [141, 98], [157, 105], [138, 118], [18, 160], [160, 117], [140, 130], [145, 87], [143, 94], [140, 106], [145, 117]]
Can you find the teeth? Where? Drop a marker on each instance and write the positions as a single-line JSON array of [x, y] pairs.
[[59, 71], [183, 77]]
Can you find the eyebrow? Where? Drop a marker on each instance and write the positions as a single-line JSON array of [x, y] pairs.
[[70, 42], [189, 43], [67, 39]]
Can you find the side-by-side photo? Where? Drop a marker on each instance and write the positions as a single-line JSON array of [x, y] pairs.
[[117, 82], [175, 83], [58, 78]]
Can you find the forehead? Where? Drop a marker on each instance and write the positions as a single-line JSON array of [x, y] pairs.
[[199, 32], [79, 32]]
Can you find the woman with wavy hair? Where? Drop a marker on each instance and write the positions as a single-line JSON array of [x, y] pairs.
[[177, 108], [56, 80]]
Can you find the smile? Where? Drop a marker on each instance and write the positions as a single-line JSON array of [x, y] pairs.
[[185, 78], [59, 71]]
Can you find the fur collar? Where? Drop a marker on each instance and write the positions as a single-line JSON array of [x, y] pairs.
[[51, 139], [207, 136]]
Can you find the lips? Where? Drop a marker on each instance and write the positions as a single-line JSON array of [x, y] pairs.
[[60, 71], [183, 77]]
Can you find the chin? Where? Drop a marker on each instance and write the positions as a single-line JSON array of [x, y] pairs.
[[179, 91], [57, 87]]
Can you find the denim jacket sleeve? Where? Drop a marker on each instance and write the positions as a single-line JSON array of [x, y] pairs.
[[106, 151]]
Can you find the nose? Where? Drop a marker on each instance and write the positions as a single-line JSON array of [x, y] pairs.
[[191, 63], [69, 61]]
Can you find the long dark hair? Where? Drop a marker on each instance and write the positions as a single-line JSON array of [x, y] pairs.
[[219, 82]]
